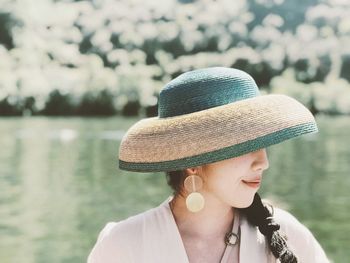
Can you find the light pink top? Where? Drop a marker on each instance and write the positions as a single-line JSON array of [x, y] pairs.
[[153, 237]]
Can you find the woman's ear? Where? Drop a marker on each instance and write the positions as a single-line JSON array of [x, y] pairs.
[[191, 171], [197, 170]]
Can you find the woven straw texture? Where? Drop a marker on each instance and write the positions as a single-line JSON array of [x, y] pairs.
[[162, 144]]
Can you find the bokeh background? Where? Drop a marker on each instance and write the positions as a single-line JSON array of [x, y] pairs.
[[75, 75]]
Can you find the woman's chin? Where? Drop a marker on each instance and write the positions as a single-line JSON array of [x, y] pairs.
[[245, 203]]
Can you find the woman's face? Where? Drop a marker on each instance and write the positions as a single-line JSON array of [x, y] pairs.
[[235, 181]]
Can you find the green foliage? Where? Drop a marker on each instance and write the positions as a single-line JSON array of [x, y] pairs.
[[8, 109], [94, 103], [6, 23], [131, 108], [345, 68], [59, 104], [101, 58]]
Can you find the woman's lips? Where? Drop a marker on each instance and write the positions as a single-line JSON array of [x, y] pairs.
[[254, 182]]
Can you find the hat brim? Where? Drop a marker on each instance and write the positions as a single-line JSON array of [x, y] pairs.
[[219, 133]]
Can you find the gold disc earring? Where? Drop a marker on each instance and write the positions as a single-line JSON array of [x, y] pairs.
[[195, 200]]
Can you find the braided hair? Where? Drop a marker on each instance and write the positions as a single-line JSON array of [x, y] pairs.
[[258, 214]]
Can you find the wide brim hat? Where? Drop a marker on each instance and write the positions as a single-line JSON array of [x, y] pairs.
[[208, 115]]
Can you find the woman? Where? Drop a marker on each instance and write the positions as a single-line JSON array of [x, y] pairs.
[[210, 138]]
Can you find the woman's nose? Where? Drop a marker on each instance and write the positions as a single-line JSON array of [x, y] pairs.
[[261, 161]]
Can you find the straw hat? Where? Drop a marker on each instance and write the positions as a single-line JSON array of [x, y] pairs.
[[209, 115]]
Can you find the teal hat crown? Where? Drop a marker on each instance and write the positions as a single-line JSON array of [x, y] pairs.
[[202, 89]]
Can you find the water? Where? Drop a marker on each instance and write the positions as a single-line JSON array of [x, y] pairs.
[[59, 185]]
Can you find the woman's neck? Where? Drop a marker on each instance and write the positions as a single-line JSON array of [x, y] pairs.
[[213, 221]]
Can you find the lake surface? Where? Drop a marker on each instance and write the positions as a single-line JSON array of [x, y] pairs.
[[59, 185]]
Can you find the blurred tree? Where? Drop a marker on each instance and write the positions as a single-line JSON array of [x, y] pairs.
[[28, 107], [112, 57], [345, 68], [6, 23], [307, 72], [131, 108], [59, 104], [293, 12], [96, 103], [151, 111], [8, 108]]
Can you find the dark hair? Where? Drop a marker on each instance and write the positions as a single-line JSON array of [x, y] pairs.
[[257, 214]]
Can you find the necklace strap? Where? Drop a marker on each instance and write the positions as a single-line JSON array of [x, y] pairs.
[[232, 237]]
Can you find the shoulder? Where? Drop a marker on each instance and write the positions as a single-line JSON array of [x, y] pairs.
[[299, 238], [124, 228], [118, 241], [288, 222]]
